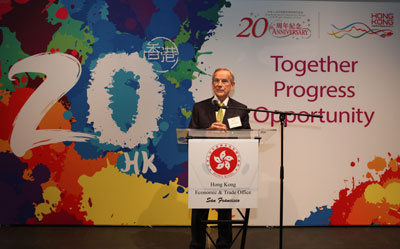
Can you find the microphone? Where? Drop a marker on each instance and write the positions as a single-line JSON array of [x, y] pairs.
[[216, 106]]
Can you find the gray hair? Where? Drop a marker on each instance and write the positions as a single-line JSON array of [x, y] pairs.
[[224, 69]]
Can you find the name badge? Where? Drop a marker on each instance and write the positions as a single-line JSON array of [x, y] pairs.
[[234, 122]]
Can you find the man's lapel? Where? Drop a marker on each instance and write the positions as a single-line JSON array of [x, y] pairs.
[[211, 111]]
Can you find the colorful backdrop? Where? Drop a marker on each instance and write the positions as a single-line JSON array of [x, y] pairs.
[[91, 93]]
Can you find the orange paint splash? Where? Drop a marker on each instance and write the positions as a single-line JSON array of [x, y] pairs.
[[27, 175], [393, 164], [5, 96], [377, 164], [54, 118], [10, 111], [369, 176]]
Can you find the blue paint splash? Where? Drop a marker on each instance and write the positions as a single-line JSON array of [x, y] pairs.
[[318, 218]]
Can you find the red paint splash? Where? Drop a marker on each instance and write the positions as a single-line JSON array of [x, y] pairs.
[[395, 213], [352, 164], [62, 217], [24, 79], [5, 7], [62, 13]]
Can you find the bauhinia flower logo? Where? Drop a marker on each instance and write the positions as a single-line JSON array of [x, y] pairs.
[[223, 160]]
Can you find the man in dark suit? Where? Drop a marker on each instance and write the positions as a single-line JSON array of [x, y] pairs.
[[205, 116]]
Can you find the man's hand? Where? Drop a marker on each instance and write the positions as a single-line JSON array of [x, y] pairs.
[[217, 126]]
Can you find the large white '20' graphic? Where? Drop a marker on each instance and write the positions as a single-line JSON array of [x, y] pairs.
[[62, 73]]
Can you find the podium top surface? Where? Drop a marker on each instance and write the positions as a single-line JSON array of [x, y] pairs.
[[262, 134]]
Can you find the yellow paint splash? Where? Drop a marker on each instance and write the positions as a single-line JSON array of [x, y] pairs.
[[185, 113], [51, 196], [112, 197], [375, 193], [393, 193]]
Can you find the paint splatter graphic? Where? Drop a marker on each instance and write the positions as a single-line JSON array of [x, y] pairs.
[[375, 201], [107, 179]]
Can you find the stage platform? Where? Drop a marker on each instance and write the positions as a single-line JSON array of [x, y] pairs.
[[131, 237]]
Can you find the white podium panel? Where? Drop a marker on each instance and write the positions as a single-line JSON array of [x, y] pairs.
[[223, 173]]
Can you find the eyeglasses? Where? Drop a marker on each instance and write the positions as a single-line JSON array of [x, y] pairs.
[[224, 81]]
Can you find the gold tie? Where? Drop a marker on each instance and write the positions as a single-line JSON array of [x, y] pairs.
[[220, 114]]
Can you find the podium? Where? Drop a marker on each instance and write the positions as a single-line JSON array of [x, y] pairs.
[[223, 171]]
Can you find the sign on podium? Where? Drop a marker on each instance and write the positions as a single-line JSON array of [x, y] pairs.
[[223, 167]]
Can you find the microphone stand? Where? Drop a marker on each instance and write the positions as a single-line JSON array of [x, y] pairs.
[[282, 118]]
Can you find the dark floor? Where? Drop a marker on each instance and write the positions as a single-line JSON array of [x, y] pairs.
[[109, 237]]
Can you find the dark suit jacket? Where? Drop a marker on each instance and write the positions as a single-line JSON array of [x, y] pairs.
[[203, 114]]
